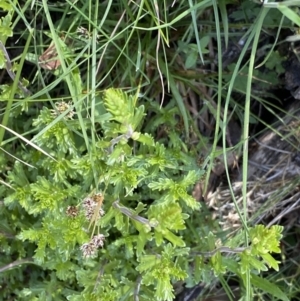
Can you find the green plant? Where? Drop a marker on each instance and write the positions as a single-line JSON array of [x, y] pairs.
[[97, 194], [81, 202]]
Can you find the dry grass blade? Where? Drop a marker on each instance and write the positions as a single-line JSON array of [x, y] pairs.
[[28, 142]]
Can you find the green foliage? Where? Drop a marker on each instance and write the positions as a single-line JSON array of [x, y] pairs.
[[263, 242], [6, 30], [266, 241], [123, 108], [97, 182], [138, 244], [160, 269]]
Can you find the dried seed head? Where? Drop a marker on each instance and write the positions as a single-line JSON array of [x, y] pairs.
[[72, 211], [84, 34], [88, 250], [61, 107], [90, 204], [98, 240], [98, 198]]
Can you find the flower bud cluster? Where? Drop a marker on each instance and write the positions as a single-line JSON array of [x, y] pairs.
[[91, 204], [90, 249]]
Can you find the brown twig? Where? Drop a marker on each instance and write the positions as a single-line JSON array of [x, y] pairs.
[[16, 263]]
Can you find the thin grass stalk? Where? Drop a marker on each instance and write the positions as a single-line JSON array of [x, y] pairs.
[[195, 26], [257, 28], [13, 92]]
